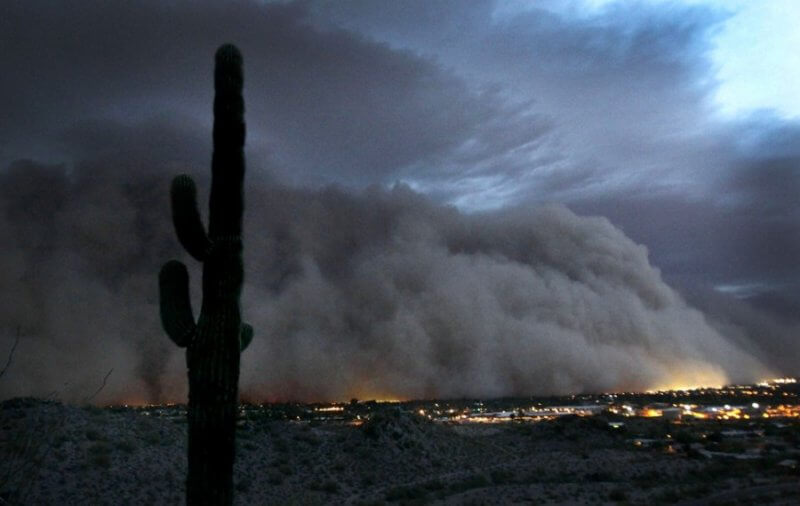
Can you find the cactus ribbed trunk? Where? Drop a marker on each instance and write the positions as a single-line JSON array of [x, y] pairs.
[[214, 343]]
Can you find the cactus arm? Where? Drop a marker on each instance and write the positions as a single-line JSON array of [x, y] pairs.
[[186, 217], [245, 336], [175, 306]]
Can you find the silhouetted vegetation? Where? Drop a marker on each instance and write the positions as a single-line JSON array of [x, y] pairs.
[[215, 341]]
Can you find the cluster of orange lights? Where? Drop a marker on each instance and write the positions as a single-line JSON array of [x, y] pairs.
[[330, 409], [783, 411], [651, 413], [720, 413]]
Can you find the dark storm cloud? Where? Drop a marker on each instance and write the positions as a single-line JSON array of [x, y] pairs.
[[629, 90], [738, 231], [333, 105], [741, 321]]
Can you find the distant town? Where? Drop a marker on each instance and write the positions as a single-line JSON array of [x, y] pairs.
[[774, 399], [739, 422], [733, 421]]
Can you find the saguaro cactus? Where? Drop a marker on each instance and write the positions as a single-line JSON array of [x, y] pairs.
[[214, 343]]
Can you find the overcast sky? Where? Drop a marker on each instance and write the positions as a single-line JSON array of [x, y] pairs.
[[677, 121]]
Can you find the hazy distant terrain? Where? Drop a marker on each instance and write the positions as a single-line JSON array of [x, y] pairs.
[[85, 455]]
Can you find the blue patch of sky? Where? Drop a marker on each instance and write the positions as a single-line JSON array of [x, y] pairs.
[[755, 59]]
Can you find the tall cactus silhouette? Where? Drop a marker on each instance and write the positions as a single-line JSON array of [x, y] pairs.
[[214, 343]]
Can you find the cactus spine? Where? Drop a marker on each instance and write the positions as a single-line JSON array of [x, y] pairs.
[[214, 342]]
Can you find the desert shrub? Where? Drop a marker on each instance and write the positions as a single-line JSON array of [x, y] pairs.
[[243, 485], [329, 486], [93, 435], [100, 461], [370, 430], [94, 410], [669, 495], [501, 476], [99, 448], [306, 437], [433, 485], [650, 475], [700, 490], [100, 455], [732, 447], [280, 445], [524, 429], [60, 440], [405, 493], [152, 437], [280, 460], [598, 476], [618, 495], [370, 502], [685, 437], [274, 477], [533, 475], [125, 446], [469, 482]]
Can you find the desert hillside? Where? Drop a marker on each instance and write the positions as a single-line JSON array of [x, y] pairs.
[[51, 453]]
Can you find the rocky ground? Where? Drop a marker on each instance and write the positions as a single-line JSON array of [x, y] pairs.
[[52, 453]]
